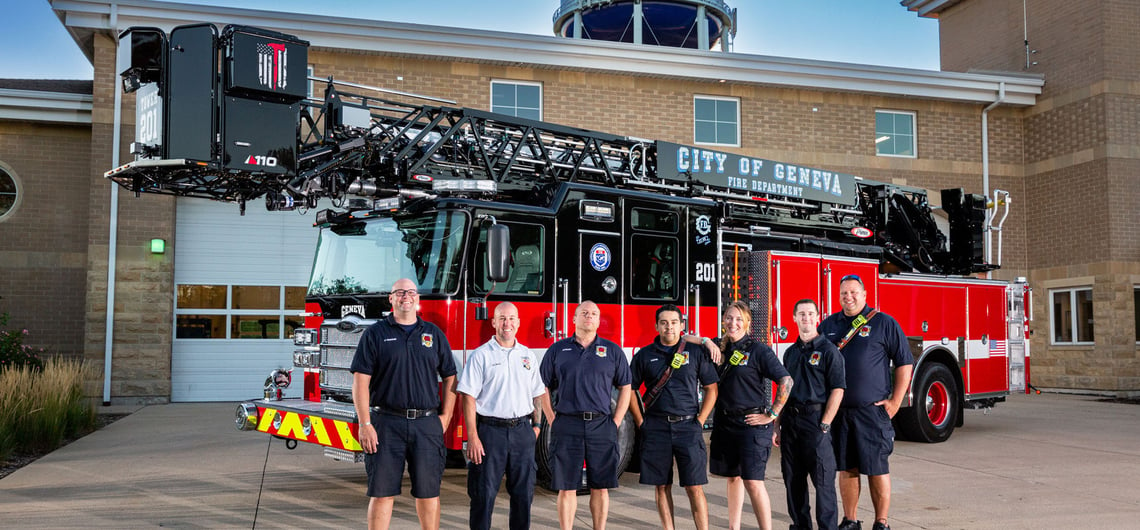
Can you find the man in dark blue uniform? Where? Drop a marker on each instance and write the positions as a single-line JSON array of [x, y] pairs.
[[672, 426], [863, 435], [804, 438], [583, 369], [395, 389]]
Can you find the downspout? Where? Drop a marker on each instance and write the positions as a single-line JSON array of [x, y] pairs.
[[113, 228], [986, 169]]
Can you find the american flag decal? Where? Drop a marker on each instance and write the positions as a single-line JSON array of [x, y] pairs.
[[271, 65], [997, 347]]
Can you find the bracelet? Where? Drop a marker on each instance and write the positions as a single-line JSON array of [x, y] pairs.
[[772, 413], [704, 340], [369, 424]]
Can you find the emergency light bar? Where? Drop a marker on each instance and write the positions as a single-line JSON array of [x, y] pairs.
[[485, 186]]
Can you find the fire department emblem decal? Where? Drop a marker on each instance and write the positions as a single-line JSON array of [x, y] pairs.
[[814, 360], [864, 331], [272, 60], [600, 351], [600, 257], [526, 362], [426, 340]]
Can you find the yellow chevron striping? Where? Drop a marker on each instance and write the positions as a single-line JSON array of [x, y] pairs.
[[266, 419], [319, 430], [291, 427], [346, 436]]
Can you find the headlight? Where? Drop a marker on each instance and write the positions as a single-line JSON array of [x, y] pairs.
[[304, 337]]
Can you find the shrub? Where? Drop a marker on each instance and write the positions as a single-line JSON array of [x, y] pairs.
[[40, 408], [13, 351]]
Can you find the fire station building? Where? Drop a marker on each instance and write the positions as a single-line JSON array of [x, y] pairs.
[[187, 300]]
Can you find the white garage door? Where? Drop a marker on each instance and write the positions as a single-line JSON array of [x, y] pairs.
[[240, 285]]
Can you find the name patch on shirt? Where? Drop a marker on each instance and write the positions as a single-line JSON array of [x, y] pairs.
[[426, 340], [738, 358], [814, 360], [600, 351]]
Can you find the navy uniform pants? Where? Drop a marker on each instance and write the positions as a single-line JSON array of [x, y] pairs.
[[509, 451], [805, 451]]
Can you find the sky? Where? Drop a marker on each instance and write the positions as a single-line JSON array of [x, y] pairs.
[[878, 32]]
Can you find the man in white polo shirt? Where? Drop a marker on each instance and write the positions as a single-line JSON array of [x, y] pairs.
[[502, 394]]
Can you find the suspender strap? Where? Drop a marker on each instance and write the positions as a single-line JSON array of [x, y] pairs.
[[855, 325], [651, 394]]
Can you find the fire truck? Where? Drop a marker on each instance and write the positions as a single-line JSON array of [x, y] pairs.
[[479, 208]]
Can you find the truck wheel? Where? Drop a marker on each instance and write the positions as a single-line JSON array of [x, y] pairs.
[[543, 455], [934, 413]]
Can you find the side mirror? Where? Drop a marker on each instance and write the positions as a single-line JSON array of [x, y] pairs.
[[498, 253]]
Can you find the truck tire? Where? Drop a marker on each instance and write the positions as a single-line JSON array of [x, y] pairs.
[[543, 456], [936, 407]]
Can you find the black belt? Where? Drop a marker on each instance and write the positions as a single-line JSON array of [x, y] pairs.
[[673, 419], [800, 408], [588, 416], [409, 414], [503, 422], [743, 412]]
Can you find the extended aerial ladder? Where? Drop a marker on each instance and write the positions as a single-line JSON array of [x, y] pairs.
[[230, 120]]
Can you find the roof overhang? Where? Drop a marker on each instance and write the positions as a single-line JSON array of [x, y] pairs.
[[84, 18], [929, 8], [56, 107]]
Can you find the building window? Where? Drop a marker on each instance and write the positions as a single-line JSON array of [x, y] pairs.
[[894, 133], [9, 192], [238, 311], [516, 98], [309, 73], [1136, 308], [716, 121], [1071, 315]]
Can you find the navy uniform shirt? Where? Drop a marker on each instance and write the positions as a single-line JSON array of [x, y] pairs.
[[868, 356], [817, 368], [405, 366], [746, 376], [680, 396], [585, 376]]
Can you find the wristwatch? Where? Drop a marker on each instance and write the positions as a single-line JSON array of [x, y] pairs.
[[824, 427]]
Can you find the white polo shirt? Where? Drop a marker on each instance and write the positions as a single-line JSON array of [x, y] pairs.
[[503, 381]]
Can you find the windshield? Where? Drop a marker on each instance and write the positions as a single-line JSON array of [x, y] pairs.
[[369, 256]]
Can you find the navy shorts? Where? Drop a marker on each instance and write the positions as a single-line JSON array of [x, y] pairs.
[[738, 449], [662, 442], [419, 442], [864, 438], [573, 441]]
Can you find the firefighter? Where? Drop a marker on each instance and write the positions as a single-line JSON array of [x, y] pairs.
[[863, 435], [395, 386], [743, 428], [502, 395], [804, 428], [672, 424], [584, 369]]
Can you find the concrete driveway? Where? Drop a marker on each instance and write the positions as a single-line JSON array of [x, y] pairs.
[[1049, 461]]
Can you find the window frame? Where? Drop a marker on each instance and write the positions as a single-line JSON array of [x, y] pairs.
[[282, 312], [10, 173], [1073, 312], [676, 271], [1136, 309], [735, 100], [913, 133], [517, 83], [501, 287]]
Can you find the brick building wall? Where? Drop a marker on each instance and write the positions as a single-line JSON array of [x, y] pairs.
[[43, 246], [1081, 167], [144, 283]]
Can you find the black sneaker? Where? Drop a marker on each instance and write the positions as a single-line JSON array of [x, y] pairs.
[[880, 526], [848, 524]]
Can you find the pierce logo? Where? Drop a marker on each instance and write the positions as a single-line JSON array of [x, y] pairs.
[[272, 60], [261, 160], [861, 232]]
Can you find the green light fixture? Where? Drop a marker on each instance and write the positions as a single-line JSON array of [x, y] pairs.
[[158, 246]]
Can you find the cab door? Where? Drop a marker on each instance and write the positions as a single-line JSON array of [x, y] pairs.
[[599, 279]]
